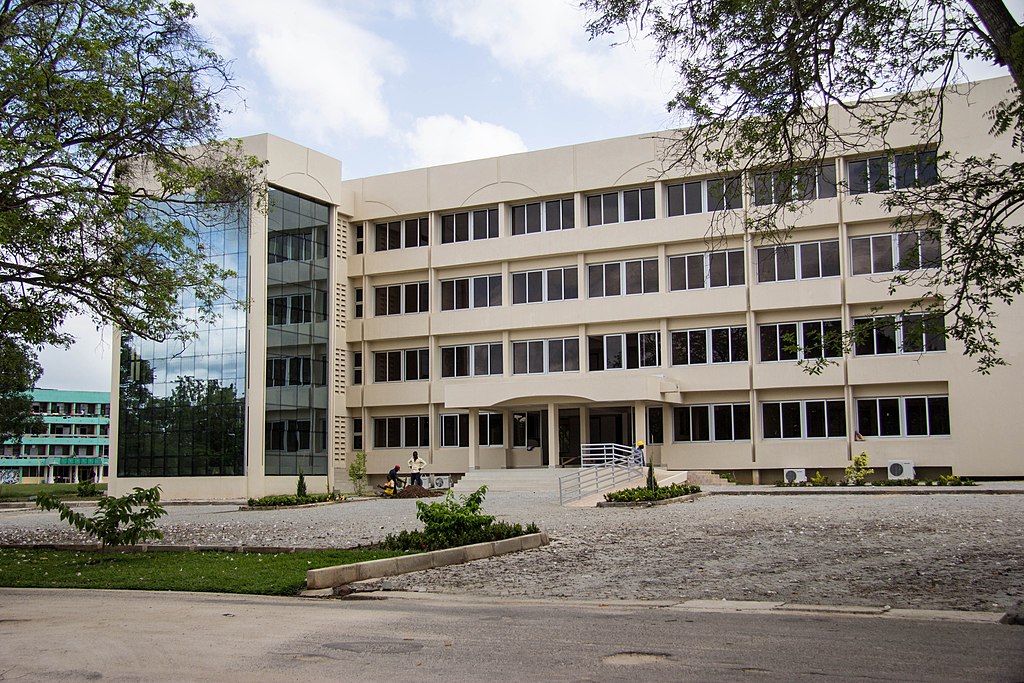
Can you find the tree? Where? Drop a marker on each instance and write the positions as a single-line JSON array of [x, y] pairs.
[[19, 373], [780, 86], [98, 94]]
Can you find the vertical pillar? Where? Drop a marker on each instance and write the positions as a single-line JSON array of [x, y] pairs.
[[474, 438], [553, 447], [584, 424], [49, 474], [640, 424]]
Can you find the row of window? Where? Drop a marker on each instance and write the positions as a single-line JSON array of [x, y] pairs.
[[296, 371], [901, 416], [808, 260], [793, 341], [875, 174]]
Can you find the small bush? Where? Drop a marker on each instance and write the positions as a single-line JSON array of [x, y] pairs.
[[87, 489], [357, 472], [644, 494], [300, 486], [857, 473], [286, 500], [453, 522], [116, 522], [954, 480]]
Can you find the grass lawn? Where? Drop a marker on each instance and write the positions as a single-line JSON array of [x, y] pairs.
[[23, 491], [257, 573]]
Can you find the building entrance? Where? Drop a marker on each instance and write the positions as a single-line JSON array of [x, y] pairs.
[[611, 425]]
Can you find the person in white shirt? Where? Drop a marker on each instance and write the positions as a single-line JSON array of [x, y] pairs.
[[416, 465]]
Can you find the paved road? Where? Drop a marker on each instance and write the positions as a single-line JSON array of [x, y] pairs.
[[138, 636]]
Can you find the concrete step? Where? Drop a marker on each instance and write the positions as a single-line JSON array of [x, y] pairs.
[[706, 478]]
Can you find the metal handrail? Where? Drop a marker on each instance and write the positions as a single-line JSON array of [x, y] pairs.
[[603, 466]]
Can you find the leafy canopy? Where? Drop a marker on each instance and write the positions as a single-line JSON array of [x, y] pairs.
[[97, 94], [786, 85]]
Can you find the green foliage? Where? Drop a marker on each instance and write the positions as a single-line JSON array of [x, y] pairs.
[[87, 488], [357, 471], [287, 500], [300, 486], [818, 479], [252, 573], [652, 483], [117, 521], [954, 480], [644, 493], [773, 90], [859, 470], [19, 372], [728, 476], [30, 491], [453, 522]]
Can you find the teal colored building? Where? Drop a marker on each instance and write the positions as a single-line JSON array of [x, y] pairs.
[[74, 445]]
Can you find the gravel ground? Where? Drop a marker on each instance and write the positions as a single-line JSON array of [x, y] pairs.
[[939, 551]]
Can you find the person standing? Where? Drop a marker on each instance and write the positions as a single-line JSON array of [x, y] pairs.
[[416, 465], [638, 453]]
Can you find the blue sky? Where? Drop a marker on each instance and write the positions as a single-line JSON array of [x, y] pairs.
[[387, 85]]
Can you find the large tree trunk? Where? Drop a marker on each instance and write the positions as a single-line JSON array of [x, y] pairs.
[[1005, 36]]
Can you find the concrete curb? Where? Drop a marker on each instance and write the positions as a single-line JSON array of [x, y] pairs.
[[869, 491], [651, 503], [331, 577]]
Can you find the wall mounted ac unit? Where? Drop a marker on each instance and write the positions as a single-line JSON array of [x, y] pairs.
[[441, 481], [901, 469], [794, 476]]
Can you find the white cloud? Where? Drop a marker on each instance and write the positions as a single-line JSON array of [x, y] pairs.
[[545, 39], [321, 72], [85, 366], [446, 139]]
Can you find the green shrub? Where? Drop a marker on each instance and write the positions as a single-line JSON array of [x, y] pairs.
[[286, 500], [87, 489], [116, 522], [954, 480], [357, 471], [859, 470], [652, 483], [300, 486], [644, 494], [453, 522]]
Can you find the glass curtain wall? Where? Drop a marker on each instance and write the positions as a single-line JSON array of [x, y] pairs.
[[297, 334], [182, 405]]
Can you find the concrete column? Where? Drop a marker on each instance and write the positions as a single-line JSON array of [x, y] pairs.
[[74, 474], [474, 438], [553, 454], [640, 423], [584, 424], [49, 474]]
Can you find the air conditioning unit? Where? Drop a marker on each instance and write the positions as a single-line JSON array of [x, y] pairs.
[[901, 469], [441, 481], [794, 476]]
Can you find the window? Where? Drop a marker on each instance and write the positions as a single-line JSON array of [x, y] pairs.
[[296, 245], [492, 429], [412, 297], [798, 261], [359, 238], [624, 351], [407, 365], [357, 367], [803, 419], [908, 333], [526, 429], [655, 425], [912, 250], [288, 436], [471, 292], [799, 341], [882, 173], [720, 422], [401, 432], [710, 269], [554, 214], [455, 430], [546, 355], [471, 360], [293, 310], [727, 345], [921, 416], [555, 284], [481, 224], [358, 296], [779, 187], [624, 277], [357, 433], [412, 232], [622, 206], [713, 194]]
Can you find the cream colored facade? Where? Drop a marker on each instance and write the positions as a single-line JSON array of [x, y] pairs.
[[492, 414]]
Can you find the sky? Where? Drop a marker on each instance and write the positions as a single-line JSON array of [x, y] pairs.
[[388, 85]]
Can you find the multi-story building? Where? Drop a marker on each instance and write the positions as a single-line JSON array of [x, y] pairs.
[[500, 313], [73, 445]]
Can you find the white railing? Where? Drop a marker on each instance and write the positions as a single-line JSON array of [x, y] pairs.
[[604, 466]]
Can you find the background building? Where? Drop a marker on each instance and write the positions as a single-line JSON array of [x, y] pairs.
[[499, 313], [73, 447]]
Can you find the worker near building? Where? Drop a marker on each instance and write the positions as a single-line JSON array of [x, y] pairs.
[[416, 465], [638, 453]]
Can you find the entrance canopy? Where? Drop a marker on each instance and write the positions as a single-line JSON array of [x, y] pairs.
[[603, 388]]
